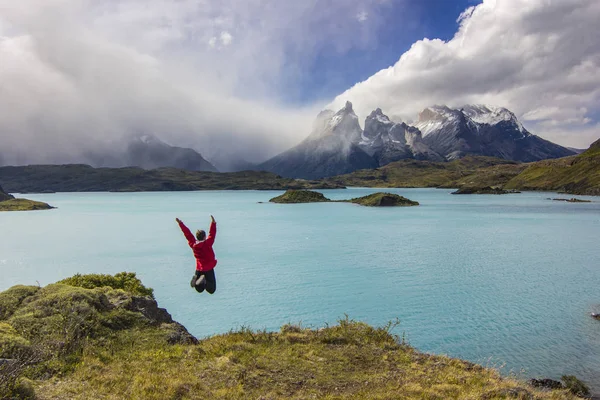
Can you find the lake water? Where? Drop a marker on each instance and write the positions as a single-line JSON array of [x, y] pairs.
[[506, 281]]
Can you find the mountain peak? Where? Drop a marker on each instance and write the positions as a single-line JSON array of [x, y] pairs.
[[348, 108]]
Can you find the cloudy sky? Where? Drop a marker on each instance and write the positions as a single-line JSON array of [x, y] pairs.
[[247, 77]]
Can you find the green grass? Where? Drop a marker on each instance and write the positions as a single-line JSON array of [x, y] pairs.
[[23, 205], [81, 344]]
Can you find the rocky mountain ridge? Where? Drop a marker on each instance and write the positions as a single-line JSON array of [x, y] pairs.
[[338, 145]]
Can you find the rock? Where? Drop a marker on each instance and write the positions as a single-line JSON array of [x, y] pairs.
[[546, 383], [596, 316], [180, 335], [148, 307]]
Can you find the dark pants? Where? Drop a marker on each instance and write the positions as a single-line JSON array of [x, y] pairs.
[[209, 283]]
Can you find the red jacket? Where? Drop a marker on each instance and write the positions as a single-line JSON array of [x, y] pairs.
[[203, 251]]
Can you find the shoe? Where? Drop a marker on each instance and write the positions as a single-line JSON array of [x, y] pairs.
[[193, 282], [201, 281]]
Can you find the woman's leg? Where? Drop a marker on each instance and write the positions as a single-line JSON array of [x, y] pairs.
[[200, 282], [211, 281]]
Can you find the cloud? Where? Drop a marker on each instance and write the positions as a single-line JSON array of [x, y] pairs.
[[539, 58], [362, 16], [226, 38], [83, 75]]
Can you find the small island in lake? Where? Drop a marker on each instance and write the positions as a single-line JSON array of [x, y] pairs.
[[484, 190], [372, 200], [9, 203], [384, 200], [300, 196], [573, 200]]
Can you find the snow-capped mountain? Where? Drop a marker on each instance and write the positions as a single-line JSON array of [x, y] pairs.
[[388, 141], [483, 130], [338, 145], [331, 149]]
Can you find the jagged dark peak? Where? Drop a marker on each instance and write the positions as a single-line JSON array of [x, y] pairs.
[[348, 108], [379, 116]]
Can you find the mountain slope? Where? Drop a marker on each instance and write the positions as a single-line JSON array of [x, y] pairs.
[[331, 149], [483, 130], [148, 152], [577, 175]]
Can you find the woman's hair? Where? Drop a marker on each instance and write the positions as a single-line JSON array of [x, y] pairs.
[[200, 234]]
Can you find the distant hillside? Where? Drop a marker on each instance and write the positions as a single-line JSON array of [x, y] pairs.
[[414, 173], [575, 174], [83, 178], [105, 337]]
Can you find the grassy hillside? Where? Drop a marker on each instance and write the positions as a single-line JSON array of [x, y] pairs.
[[83, 178], [104, 336], [414, 173], [576, 174]]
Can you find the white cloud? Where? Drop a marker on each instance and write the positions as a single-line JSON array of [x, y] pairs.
[[77, 75], [540, 58], [226, 38], [362, 16]]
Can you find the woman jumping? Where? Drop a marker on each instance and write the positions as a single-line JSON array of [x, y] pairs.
[[204, 278]]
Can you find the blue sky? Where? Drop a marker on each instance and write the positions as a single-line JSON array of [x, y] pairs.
[[332, 72]]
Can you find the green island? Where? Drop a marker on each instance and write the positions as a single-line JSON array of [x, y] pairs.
[[9, 203], [104, 336], [373, 200], [484, 190], [83, 178]]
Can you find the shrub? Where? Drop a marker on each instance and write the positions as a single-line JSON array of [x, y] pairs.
[[126, 281]]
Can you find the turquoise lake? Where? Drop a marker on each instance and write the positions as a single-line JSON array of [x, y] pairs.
[[506, 281]]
